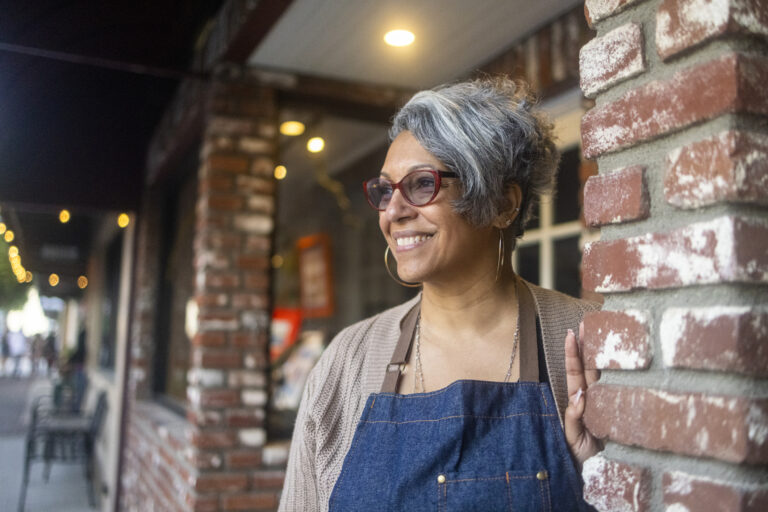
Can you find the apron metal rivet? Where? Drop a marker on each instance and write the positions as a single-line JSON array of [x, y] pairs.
[[441, 479], [542, 475]]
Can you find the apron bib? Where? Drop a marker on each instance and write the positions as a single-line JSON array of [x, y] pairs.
[[473, 445]]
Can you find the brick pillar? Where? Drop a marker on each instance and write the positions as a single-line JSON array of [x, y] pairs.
[[680, 135], [228, 378]]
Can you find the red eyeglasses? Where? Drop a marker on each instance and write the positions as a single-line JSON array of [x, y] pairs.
[[419, 188]]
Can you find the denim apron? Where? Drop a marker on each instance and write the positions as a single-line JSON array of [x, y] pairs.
[[473, 445]]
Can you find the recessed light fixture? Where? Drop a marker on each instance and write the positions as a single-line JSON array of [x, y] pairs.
[[64, 216], [315, 144], [123, 220], [292, 128], [82, 282], [280, 172], [53, 279], [399, 37]]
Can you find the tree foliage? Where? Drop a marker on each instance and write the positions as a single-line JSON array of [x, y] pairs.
[[13, 294]]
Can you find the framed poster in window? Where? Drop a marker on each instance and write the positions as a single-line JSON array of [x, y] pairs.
[[315, 276]]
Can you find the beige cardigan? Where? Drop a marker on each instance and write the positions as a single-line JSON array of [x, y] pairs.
[[352, 367]]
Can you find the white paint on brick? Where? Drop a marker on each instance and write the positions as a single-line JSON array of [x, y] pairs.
[[675, 320], [599, 9], [603, 60], [275, 454], [206, 378], [254, 397], [193, 395], [702, 440], [667, 397], [612, 351], [252, 436], [254, 145], [757, 425], [254, 320], [677, 507], [680, 483], [251, 379], [218, 325], [253, 223], [603, 474], [261, 203]]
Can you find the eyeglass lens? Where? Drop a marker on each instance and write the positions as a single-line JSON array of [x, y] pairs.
[[417, 187]]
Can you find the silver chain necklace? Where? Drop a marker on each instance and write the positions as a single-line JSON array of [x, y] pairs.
[[419, 377]]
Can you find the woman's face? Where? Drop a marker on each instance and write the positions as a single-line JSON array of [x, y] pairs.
[[432, 243]]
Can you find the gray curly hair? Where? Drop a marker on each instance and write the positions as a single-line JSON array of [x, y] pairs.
[[487, 131]]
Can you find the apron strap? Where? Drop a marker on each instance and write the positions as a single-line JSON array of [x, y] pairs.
[[402, 351], [529, 351]]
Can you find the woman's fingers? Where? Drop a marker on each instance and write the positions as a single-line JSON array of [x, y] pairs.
[[583, 445]]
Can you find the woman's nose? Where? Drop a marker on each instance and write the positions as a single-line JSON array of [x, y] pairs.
[[398, 208]]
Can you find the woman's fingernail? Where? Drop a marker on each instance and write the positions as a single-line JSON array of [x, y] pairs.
[[570, 331], [577, 397]]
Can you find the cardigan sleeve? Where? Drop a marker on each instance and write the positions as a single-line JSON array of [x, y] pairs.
[[300, 487]]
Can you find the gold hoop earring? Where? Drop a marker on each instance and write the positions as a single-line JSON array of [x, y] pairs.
[[397, 279], [500, 262]]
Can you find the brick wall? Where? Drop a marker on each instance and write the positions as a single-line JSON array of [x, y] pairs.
[[680, 135], [214, 458]]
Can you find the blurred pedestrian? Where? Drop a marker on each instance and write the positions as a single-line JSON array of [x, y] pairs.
[[17, 343], [5, 352], [50, 353]]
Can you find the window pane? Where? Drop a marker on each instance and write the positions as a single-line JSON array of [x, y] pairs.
[[566, 207], [528, 263], [567, 263]]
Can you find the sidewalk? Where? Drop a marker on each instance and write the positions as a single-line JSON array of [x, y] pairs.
[[66, 491]]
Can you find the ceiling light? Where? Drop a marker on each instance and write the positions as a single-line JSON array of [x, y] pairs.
[[315, 144], [292, 128], [9, 236], [399, 37], [13, 251], [277, 261], [2, 228], [82, 282], [28, 277], [53, 279], [123, 220], [64, 216], [280, 172]]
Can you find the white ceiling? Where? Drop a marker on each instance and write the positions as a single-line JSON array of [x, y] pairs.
[[344, 38]]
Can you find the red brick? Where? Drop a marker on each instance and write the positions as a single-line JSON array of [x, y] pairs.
[[209, 339], [228, 202], [207, 482], [616, 197], [612, 486], [249, 339], [724, 249], [268, 479], [731, 166], [205, 504], [250, 300], [219, 320], [242, 418], [732, 83], [685, 24], [723, 338], [241, 459], [229, 163], [689, 492], [616, 340], [729, 428], [250, 501], [205, 300], [598, 10], [256, 281], [253, 262], [215, 181], [209, 439], [206, 418], [228, 125], [263, 167], [214, 280], [219, 398], [218, 358], [611, 59]]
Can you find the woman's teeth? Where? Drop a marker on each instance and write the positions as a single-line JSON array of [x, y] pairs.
[[411, 240]]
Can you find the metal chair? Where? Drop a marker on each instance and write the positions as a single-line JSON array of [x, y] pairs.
[[56, 437]]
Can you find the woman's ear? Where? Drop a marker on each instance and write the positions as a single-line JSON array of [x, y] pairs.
[[514, 199]]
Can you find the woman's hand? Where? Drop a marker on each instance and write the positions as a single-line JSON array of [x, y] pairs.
[[583, 445]]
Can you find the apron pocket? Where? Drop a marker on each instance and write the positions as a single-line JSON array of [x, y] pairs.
[[518, 491]]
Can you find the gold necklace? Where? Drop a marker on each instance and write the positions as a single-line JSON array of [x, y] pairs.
[[419, 377]]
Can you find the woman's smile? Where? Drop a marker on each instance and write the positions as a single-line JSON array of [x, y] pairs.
[[408, 240]]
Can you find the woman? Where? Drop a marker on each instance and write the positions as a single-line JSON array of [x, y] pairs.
[[457, 399]]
